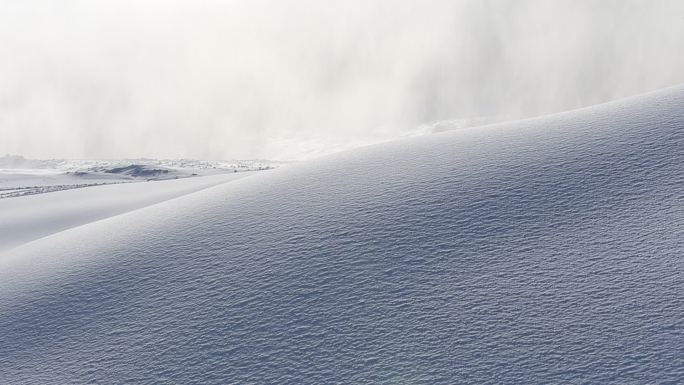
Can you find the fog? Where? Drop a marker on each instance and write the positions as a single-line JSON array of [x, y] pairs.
[[289, 79]]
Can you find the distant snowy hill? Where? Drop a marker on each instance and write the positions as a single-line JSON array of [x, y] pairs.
[[20, 176], [541, 251], [81, 165]]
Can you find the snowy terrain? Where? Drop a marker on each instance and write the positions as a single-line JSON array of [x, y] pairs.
[[31, 217], [541, 251], [20, 176]]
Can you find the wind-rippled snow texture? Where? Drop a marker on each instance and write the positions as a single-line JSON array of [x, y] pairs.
[[543, 251]]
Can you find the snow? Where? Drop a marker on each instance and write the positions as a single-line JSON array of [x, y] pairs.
[[540, 251], [32, 217], [36, 179], [20, 176]]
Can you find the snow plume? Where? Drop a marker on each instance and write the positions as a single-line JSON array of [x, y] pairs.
[[287, 79]]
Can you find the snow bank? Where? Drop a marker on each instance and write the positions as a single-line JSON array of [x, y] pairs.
[[28, 218], [542, 251]]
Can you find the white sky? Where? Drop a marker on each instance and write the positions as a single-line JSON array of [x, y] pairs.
[[285, 79]]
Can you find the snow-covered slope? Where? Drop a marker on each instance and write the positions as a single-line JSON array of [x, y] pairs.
[[28, 218], [543, 251]]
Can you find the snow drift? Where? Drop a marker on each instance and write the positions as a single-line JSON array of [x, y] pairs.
[[32, 217], [541, 251]]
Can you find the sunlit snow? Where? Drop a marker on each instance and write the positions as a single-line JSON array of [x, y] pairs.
[[541, 251]]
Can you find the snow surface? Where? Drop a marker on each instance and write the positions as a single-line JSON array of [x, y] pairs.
[[541, 251], [28, 180], [28, 218], [20, 176]]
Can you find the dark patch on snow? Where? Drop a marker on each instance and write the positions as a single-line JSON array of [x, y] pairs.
[[137, 170]]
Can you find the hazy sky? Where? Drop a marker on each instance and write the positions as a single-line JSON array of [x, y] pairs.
[[285, 79]]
